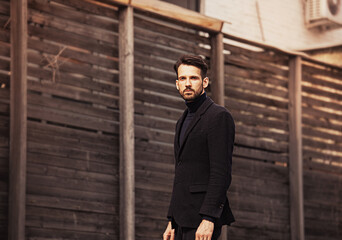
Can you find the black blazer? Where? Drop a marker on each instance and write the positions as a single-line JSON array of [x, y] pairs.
[[203, 167]]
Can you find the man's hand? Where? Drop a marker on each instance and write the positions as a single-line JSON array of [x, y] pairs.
[[205, 230], [169, 233]]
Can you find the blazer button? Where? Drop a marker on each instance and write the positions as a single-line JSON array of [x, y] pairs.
[[222, 205]]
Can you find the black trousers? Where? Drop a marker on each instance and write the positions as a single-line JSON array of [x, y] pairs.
[[190, 233]]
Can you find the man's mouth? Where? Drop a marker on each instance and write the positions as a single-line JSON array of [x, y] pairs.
[[188, 90]]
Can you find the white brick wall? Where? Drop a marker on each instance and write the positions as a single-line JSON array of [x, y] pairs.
[[283, 23]]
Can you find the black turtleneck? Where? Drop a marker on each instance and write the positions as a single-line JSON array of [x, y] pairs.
[[192, 108], [194, 105]]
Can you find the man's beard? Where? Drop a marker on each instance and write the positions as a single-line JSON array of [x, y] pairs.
[[191, 97]]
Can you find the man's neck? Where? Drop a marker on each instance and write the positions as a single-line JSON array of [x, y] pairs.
[[196, 103]]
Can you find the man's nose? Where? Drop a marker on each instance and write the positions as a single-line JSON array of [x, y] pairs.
[[188, 82]]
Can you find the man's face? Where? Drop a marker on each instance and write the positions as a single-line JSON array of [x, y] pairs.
[[190, 83]]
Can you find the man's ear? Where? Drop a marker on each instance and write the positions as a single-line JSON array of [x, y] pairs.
[[177, 85], [205, 82]]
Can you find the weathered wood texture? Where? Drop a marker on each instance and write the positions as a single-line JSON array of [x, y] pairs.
[[73, 126], [322, 151], [256, 93], [217, 68], [4, 114], [73, 121], [18, 121], [167, 10], [295, 149], [126, 67]]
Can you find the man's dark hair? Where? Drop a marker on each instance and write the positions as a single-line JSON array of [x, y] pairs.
[[192, 60]]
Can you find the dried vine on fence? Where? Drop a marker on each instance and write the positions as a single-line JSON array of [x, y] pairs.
[[54, 62]]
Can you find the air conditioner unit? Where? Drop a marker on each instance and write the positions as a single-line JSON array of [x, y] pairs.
[[324, 13]]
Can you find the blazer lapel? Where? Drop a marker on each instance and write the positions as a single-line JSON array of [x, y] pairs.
[[202, 109], [178, 128]]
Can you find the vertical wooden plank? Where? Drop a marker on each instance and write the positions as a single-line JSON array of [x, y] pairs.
[[295, 150], [126, 70], [217, 69], [18, 121], [217, 83]]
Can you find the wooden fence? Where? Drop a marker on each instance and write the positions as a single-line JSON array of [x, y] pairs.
[[322, 148], [256, 92], [72, 187], [284, 132]]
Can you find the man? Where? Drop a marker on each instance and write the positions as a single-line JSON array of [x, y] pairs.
[[203, 150]]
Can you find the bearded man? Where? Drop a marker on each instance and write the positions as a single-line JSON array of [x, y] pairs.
[[203, 149]]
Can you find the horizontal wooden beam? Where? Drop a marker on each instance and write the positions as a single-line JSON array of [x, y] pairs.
[[120, 2], [126, 2], [174, 12]]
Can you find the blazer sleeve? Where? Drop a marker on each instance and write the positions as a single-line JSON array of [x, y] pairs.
[[220, 145]]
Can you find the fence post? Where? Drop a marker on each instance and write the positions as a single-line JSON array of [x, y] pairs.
[[217, 83], [295, 150], [217, 68], [18, 121], [126, 79]]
